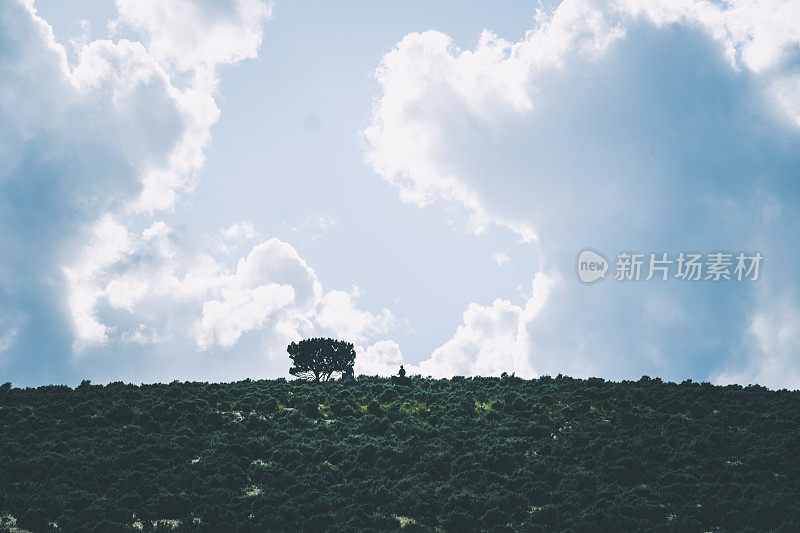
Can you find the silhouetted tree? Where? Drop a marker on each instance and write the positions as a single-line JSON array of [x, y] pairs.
[[319, 358]]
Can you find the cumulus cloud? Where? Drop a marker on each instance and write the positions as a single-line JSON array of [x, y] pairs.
[[427, 81], [431, 88], [380, 359], [240, 230], [775, 338], [492, 339], [91, 281], [599, 129], [501, 258], [785, 91], [339, 317], [614, 125], [484, 344], [197, 35], [155, 285], [162, 283], [756, 33]]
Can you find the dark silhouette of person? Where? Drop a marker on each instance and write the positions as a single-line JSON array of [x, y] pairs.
[[401, 372]]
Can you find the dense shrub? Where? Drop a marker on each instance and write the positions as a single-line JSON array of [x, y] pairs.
[[468, 454]]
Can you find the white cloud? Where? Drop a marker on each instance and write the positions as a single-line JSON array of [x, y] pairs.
[[272, 278], [492, 339], [108, 245], [756, 33], [141, 335], [155, 286], [89, 153], [241, 230], [427, 82], [120, 99], [339, 317], [380, 359], [234, 236], [239, 311], [760, 35], [501, 258], [485, 344], [197, 35], [785, 91], [775, 337], [561, 138]]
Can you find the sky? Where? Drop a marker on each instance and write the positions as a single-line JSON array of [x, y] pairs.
[[185, 188]]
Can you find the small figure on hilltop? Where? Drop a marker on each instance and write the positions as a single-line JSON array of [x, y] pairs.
[[400, 378], [348, 375]]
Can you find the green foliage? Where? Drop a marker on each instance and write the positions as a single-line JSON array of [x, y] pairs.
[[470, 454], [318, 359]]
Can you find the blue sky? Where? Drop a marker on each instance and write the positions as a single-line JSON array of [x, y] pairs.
[[189, 188]]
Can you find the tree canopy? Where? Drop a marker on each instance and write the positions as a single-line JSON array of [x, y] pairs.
[[318, 359]]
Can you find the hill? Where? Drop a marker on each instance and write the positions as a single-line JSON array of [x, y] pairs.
[[489, 454]]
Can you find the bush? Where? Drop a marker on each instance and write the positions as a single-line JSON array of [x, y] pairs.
[[542, 455]]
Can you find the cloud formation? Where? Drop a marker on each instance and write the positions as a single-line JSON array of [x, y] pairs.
[[197, 36], [655, 127], [431, 89], [492, 339], [90, 277]]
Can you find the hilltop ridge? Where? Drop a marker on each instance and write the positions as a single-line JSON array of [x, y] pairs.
[[467, 454]]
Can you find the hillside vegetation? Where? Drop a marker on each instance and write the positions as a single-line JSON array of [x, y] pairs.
[[483, 454]]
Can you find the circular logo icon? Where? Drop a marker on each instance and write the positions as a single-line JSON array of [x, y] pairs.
[[591, 266]]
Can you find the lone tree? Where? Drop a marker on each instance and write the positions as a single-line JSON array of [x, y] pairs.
[[319, 358]]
